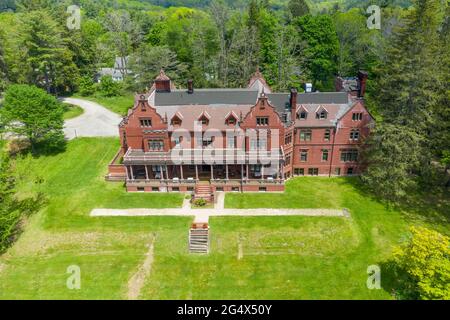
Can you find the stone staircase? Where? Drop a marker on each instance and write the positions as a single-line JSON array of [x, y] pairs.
[[203, 191], [199, 238]]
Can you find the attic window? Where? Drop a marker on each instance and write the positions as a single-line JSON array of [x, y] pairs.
[[321, 115], [231, 119], [204, 120], [146, 122], [176, 121], [303, 115]]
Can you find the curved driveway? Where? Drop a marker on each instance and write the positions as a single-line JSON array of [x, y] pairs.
[[96, 121]]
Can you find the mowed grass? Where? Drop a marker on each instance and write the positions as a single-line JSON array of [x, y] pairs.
[[119, 104], [71, 111], [251, 257]]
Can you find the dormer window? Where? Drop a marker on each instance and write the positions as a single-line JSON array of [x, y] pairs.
[[321, 113], [231, 119], [204, 118], [303, 115], [176, 119]]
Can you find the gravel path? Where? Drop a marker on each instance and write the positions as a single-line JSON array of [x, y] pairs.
[[136, 282], [96, 121]]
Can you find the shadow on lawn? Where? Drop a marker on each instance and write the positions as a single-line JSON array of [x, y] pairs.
[[431, 206], [397, 282]]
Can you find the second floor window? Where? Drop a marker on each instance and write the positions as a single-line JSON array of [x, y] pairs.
[[146, 122], [349, 155], [354, 134], [304, 155], [305, 135], [156, 145], [231, 142], [288, 138], [262, 121]]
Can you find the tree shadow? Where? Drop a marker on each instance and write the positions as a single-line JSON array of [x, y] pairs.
[[397, 282], [49, 147], [429, 206]]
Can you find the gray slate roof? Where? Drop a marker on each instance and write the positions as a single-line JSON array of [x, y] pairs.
[[206, 97]]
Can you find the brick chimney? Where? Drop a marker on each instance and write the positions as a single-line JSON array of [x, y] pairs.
[[293, 103], [162, 82], [362, 79], [190, 86]]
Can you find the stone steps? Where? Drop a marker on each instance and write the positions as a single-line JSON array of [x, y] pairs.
[[199, 240]]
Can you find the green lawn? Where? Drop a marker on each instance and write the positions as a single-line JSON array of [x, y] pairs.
[[281, 257], [119, 104], [71, 111]]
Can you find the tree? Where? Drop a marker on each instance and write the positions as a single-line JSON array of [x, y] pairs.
[[32, 113], [425, 258], [50, 61], [410, 95], [323, 46], [86, 86], [298, 8], [3, 68], [148, 61], [391, 155]]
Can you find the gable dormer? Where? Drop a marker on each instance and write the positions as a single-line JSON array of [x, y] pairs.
[[302, 113], [231, 118], [257, 82], [204, 118], [177, 119], [321, 113]]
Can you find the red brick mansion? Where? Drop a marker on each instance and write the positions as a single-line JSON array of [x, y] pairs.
[[248, 139]]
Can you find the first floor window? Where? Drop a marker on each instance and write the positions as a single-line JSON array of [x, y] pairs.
[[349, 155], [299, 171], [146, 122], [337, 171], [304, 155], [324, 155], [350, 171], [156, 145], [313, 171]]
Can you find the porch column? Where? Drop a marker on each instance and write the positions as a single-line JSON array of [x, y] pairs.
[[181, 171], [132, 174], [196, 172], [126, 172], [226, 171], [167, 172], [282, 171], [278, 171], [242, 172], [212, 172], [262, 171], [161, 173], [247, 176], [146, 173]]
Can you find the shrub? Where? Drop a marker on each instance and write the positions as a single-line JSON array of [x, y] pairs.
[[200, 202], [425, 259], [108, 87], [86, 86]]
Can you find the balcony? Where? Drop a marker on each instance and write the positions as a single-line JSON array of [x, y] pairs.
[[202, 156]]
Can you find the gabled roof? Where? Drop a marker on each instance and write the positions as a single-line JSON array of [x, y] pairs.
[[162, 76], [257, 82]]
